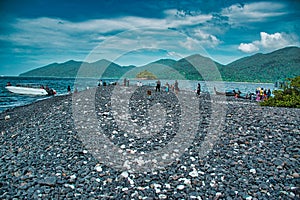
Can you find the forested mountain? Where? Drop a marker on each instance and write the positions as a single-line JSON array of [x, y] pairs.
[[67, 69], [280, 64], [162, 69], [103, 68], [277, 65]]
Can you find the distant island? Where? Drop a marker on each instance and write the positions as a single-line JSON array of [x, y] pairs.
[[277, 65], [146, 75]]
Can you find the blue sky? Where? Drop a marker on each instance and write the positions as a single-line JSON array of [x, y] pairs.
[[34, 33]]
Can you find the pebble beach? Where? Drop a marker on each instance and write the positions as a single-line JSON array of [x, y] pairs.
[[43, 155]]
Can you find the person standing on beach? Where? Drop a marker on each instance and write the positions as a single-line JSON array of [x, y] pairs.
[[269, 93], [176, 87], [100, 83], [69, 89], [149, 95], [198, 89], [261, 94], [167, 87], [157, 86]]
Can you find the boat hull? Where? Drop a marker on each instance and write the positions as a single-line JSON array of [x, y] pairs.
[[238, 95], [27, 90], [224, 93]]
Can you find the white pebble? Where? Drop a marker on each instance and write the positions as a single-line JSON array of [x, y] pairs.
[[192, 158], [180, 187], [73, 176], [218, 194], [155, 185], [187, 181], [125, 174], [98, 168], [69, 186], [194, 173], [253, 171], [162, 196], [201, 172], [130, 181]]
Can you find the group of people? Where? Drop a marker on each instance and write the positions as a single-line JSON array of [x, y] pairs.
[[8, 84], [174, 87], [167, 87], [101, 83], [262, 94]]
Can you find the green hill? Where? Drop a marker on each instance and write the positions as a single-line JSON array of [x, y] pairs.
[[162, 69], [280, 64], [67, 69], [102, 68], [270, 67], [197, 67]]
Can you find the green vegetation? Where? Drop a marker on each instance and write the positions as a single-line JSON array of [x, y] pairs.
[[162, 69], [288, 97], [197, 67], [146, 75], [281, 64]]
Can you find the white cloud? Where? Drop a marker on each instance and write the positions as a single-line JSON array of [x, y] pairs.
[[53, 36], [270, 41], [276, 40], [253, 12], [59, 33], [174, 54], [206, 39], [175, 19], [248, 48], [190, 43]]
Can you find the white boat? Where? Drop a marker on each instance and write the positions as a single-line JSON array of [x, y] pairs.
[[30, 89]]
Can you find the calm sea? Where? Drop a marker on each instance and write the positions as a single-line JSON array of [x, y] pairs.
[[9, 100]]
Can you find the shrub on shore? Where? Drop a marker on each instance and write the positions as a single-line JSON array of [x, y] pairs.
[[288, 97]]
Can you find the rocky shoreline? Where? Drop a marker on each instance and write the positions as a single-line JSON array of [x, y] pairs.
[[43, 156]]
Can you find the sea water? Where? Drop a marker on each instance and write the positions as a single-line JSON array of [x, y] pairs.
[[10, 100]]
